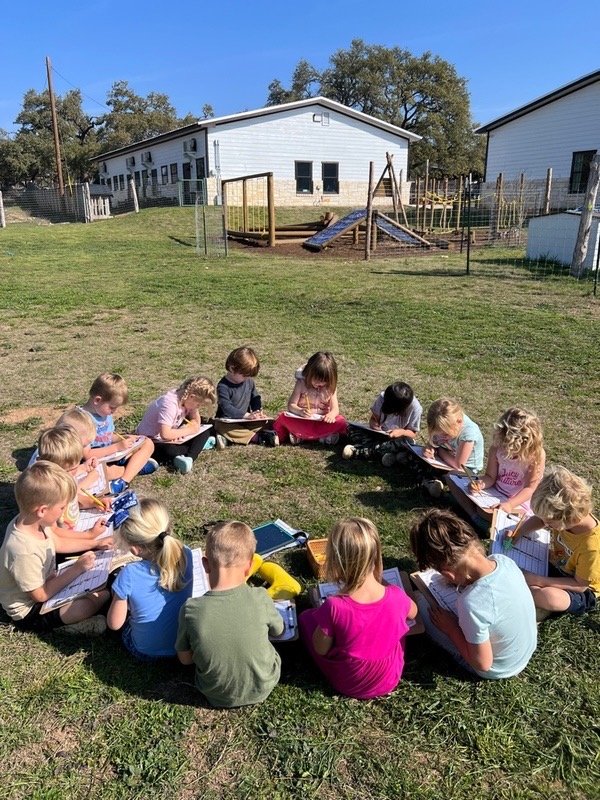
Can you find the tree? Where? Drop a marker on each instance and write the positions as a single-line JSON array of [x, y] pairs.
[[423, 94]]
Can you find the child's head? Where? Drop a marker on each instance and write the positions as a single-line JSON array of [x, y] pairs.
[[230, 544], [320, 370], [243, 361], [561, 499], [518, 434], [147, 533], [108, 392], [445, 416], [440, 540], [61, 445], [80, 421], [396, 398], [353, 553], [196, 392], [44, 485]]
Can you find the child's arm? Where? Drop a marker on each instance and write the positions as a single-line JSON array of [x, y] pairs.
[[171, 434], [185, 657], [375, 421], [292, 405], [491, 473], [458, 458], [413, 610], [479, 656], [397, 432], [542, 582], [117, 613], [321, 642], [59, 580], [76, 541], [527, 526], [334, 409]]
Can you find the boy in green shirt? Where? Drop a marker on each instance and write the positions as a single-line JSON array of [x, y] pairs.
[[225, 632]]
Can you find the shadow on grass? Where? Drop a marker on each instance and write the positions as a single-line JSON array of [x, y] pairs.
[[21, 456], [190, 243], [8, 506], [429, 273]]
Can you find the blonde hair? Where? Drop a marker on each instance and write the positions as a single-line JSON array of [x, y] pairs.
[[61, 445], [353, 553], [149, 528], [321, 366], [110, 387], [200, 388], [444, 415], [80, 421], [440, 539], [244, 361], [230, 544], [43, 484], [518, 434], [562, 497]]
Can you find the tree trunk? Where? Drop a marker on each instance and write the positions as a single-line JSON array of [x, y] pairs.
[[585, 224]]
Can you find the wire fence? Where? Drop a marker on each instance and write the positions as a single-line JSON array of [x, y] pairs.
[[211, 238]]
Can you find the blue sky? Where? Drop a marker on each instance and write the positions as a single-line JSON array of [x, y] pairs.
[[226, 53]]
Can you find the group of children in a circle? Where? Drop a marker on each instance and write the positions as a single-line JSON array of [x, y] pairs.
[[357, 637]]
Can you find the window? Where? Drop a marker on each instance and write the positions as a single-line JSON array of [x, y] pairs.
[[121, 182], [304, 183], [144, 178], [137, 178], [154, 178], [330, 177], [109, 183], [164, 175], [173, 169], [580, 171]]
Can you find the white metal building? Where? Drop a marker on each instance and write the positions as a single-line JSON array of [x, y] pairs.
[[560, 130], [318, 150], [553, 237]]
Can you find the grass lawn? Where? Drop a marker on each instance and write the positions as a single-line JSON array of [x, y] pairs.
[[79, 719]]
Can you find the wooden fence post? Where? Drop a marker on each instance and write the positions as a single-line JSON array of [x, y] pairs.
[[585, 224], [2, 216], [136, 205], [271, 208], [369, 214], [547, 192]]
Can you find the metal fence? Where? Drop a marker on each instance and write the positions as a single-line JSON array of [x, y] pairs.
[[211, 238]]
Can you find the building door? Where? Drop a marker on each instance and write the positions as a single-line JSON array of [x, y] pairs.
[[187, 184], [201, 180]]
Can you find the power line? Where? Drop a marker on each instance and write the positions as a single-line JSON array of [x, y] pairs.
[[102, 105]]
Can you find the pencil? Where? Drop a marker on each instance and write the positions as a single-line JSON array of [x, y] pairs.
[[308, 408], [515, 532], [93, 497], [118, 435]]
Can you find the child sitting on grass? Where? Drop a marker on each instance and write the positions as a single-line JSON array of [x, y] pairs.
[[563, 503], [28, 574], [108, 393], [148, 594], [173, 422], [495, 633], [356, 638], [238, 399], [313, 405], [225, 633]]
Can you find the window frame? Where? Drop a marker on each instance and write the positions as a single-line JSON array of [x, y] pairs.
[[335, 164], [580, 170], [298, 177]]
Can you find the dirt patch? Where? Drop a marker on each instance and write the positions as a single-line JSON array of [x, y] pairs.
[[48, 415]]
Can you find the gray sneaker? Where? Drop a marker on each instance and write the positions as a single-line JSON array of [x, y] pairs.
[[93, 626]]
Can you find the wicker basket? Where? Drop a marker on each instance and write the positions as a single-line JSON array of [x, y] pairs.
[[316, 556]]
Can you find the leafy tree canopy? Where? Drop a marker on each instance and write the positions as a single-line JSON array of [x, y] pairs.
[[423, 94]]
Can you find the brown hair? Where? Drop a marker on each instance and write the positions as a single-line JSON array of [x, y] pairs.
[[321, 367], [440, 539], [43, 484], [110, 388], [244, 361], [353, 553], [230, 544], [562, 498], [61, 445]]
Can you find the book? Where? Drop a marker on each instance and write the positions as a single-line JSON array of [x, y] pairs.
[[88, 517], [95, 481], [85, 582], [436, 589], [125, 452], [529, 551], [417, 450], [486, 499], [366, 427], [286, 608], [392, 575], [277, 535], [242, 421], [316, 417], [193, 435]]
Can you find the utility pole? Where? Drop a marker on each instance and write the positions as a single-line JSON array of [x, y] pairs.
[[61, 185]]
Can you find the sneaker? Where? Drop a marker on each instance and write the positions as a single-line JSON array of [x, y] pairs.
[[349, 451], [220, 442], [269, 439], [183, 464], [94, 626], [118, 486], [388, 459], [294, 439], [210, 443], [333, 438], [435, 487], [149, 467]]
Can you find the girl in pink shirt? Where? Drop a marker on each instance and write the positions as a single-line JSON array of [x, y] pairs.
[[356, 638]]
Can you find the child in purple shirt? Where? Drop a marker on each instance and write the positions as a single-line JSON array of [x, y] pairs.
[[357, 637]]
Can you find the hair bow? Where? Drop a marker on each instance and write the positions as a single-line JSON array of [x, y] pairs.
[[121, 508]]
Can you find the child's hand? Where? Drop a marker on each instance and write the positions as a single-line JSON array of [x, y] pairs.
[[106, 502], [255, 415], [476, 487], [129, 440], [329, 417], [396, 433], [506, 506], [105, 544], [86, 561], [99, 528], [429, 451]]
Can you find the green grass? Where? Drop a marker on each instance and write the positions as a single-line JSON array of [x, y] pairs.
[[80, 719]]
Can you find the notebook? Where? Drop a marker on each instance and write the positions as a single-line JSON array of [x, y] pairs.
[[486, 499], [529, 552], [316, 417], [277, 535], [436, 589], [242, 421], [417, 450], [86, 582], [193, 435], [365, 427], [125, 452]]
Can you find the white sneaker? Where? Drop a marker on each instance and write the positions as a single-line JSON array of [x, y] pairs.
[[435, 487], [183, 464], [210, 443], [221, 442], [294, 439], [93, 626], [348, 451]]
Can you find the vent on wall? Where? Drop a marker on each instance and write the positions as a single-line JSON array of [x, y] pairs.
[[147, 157], [190, 146], [130, 161]]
